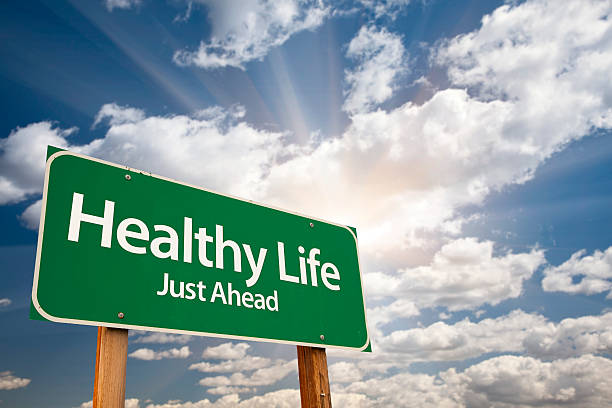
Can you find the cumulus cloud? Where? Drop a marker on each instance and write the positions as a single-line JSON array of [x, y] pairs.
[[277, 399], [401, 172], [260, 377], [225, 390], [121, 4], [163, 338], [402, 390], [505, 381], [4, 302], [524, 381], [380, 58], [22, 159], [585, 274], [30, 218], [227, 351], [399, 175], [517, 332], [540, 46], [129, 403], [344, 372], [171, 146], [285, 398], [118, 115], [462, 340], [446, 316], [386, 8], [245, 363], [463, 274], [381, 315], [243, 31], [264, 371], [570, 337], [9, 382], [148, 354]]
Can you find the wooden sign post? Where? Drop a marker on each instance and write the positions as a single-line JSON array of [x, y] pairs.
[[111, 359], [314, 381]]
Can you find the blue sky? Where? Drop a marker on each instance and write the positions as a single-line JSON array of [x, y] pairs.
[[467, 141]]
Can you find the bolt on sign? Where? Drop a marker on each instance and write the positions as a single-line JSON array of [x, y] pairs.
[[123, 248]]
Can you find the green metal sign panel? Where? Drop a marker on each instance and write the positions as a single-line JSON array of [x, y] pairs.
[[123, 248]]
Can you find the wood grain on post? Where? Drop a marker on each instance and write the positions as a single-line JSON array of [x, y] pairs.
[[314, 382], [111, 359]]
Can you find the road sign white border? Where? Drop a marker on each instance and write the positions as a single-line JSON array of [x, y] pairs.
[[160, 329]]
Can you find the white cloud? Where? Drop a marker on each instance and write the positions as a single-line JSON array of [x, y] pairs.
[[402, 390], [246, 363], [227, 351], [401, 173], [538, 53], [22, 159], [463, 274], [129, 403], [243, 31], [265, 371], [118, 115], [570, 337], [276, 399], [517, 332], [462, 340], [593, 273], [228, 155], [260, 377], [401, 176], [31, 216], [381, 315], [446, 316], [397, 175], [148, 354], [121, 4], [504, 382], [386, 8], [9, 382], [224, 390], [344, 372], [163, 338], [4, 302], [524, 381], [380, 58]]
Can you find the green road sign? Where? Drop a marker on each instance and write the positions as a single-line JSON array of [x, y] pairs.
[[123, 248]]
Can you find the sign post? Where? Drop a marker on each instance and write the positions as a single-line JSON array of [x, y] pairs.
[[111, 360], [125, 249], [314, 381]]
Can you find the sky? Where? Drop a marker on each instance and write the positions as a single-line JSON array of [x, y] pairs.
[[469, 142]]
